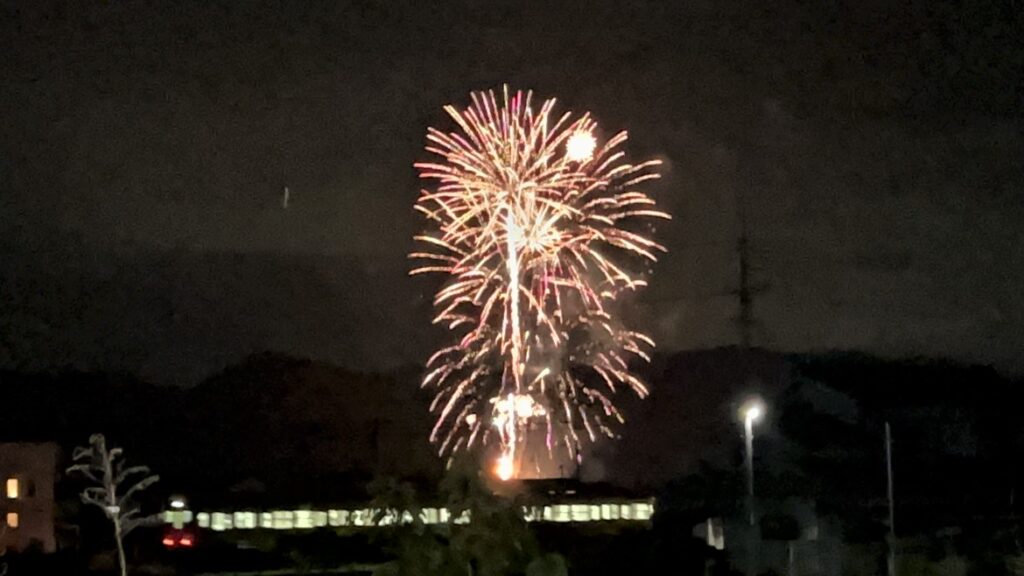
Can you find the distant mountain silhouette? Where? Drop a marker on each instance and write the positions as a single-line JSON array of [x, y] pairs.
[[296, 427], [276, 428], [174, 316]]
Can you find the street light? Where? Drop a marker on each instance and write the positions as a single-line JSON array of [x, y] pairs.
[[751, 411]]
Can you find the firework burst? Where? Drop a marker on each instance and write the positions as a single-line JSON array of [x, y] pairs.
[[533, 222]]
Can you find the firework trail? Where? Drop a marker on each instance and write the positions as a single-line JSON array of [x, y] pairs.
[[528, 219]]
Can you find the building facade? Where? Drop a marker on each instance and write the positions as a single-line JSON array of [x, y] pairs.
[[28, 472]]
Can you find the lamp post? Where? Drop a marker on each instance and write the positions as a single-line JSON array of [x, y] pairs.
[[751, 413]]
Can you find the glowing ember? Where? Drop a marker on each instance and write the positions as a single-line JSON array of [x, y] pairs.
[[528, 220]]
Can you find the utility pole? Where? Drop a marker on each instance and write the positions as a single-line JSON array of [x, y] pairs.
[[745, 320], [892, 509], [747, 289]]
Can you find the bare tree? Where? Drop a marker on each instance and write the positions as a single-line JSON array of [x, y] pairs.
[[114, 488]]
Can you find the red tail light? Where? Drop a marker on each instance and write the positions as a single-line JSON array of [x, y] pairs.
[[168, 542], [186, 542]]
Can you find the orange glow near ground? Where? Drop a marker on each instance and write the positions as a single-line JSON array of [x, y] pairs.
[[504, 468]]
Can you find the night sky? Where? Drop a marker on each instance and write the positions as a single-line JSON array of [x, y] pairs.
[[144, 151]]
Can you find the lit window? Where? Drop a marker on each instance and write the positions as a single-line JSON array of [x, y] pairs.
[[529, 513], [203, 519], [303, 519], [429, 515], [359, 518], [245, 520], [642, 511], [580, 512], [337, 517], [12, 519], [220, 521], [320, 519], [386, 518], [12, 487], [561, 513], [266, 520], [595, 512], [177, 518], [283, 519]]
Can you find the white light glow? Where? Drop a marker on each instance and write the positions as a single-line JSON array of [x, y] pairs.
[[753, 411], [524, 404], [580, 147]]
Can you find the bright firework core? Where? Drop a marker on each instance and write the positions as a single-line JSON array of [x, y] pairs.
[[536, 227], [580, 147]]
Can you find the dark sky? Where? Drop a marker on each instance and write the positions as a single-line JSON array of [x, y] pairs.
[[145, 146]]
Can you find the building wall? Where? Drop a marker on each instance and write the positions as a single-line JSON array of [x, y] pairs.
[[27, 476]]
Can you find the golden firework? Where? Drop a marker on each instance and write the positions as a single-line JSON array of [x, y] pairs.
[[533, 222]]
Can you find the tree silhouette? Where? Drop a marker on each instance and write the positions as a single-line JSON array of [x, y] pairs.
[[495, 541], [114, 488]]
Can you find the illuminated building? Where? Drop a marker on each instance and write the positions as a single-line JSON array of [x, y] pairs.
[[544, 501], [28, 472]]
